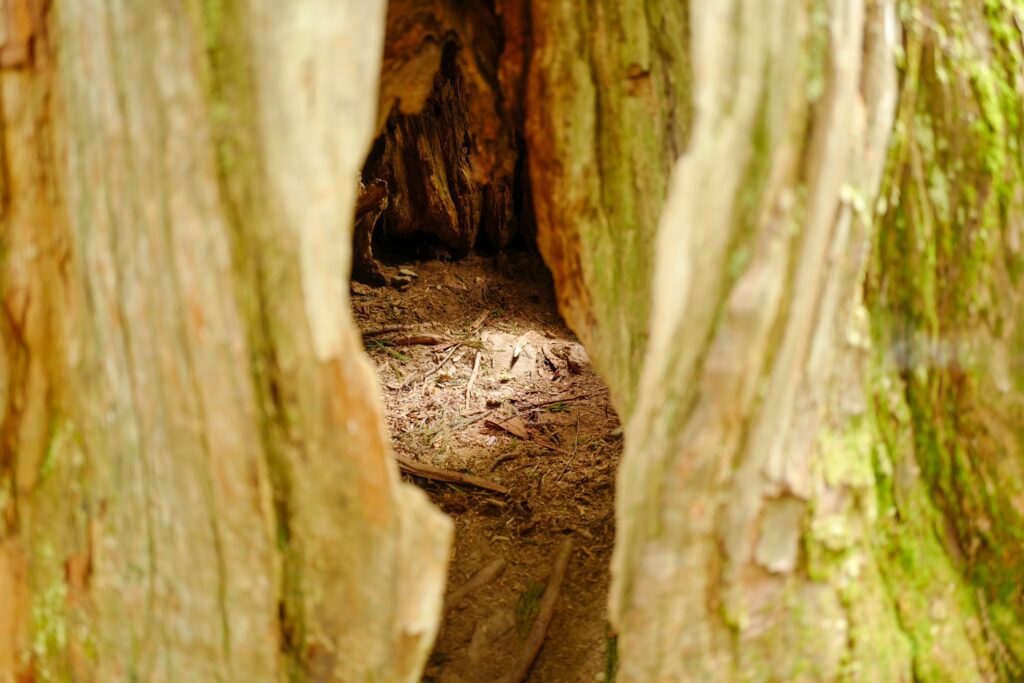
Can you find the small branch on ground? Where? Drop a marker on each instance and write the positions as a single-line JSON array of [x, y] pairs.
[[501, 459], [478, 581], [386, 329], [519, 432], [437, 474], [472, 378], [568, 399], [539, 629], [479, 321], [418, 340]]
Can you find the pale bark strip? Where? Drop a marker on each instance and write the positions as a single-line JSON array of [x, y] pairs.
[[374, 553], [719, 475], [145, 528], [184, 570]]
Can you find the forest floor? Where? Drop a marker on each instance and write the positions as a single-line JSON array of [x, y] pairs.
[[535, 419]]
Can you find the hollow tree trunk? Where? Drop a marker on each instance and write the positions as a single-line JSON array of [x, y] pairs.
[[812, 331], [194, 476]]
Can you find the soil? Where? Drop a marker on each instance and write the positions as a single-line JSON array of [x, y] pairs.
[[536, 420]]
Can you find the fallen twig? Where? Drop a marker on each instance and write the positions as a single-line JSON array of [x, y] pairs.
[[545, 613], [501, 459], [418, 340], [436, 473], [478, 581], [479, 321], [516, 429], [472, 378], [386, 329], [568, 399]]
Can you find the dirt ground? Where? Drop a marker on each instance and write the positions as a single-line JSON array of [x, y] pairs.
[[534, 418]]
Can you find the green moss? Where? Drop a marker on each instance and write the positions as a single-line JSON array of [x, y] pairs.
[[937, 291], [611, 661], [49, 630], [528, 607]]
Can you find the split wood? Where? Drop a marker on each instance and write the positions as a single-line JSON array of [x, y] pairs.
[[436, 473], [478, 581], [539, 629]]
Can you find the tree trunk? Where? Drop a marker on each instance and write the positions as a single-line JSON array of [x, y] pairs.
[[811, 324], [196, 481], [821, 481]]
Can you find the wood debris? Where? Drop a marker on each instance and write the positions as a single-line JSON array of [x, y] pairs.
[[420, 469]]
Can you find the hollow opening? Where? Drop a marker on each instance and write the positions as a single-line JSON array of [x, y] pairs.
[[492, 405]]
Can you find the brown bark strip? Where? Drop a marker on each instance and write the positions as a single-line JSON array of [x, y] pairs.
[[515, 427], [436, 473]]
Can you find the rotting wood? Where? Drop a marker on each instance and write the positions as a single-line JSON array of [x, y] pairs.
[[436, 473], [483, 577], [539, 629], [371, 202]]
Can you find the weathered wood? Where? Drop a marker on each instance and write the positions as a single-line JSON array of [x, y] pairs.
[[449, 148], [608, 109], [370, 204], [822, 481]]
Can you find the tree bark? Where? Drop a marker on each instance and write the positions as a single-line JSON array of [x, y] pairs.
[[197, 483], [809, 487]]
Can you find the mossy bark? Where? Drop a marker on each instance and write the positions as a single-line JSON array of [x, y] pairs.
[[607, 113], [822, 479]]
